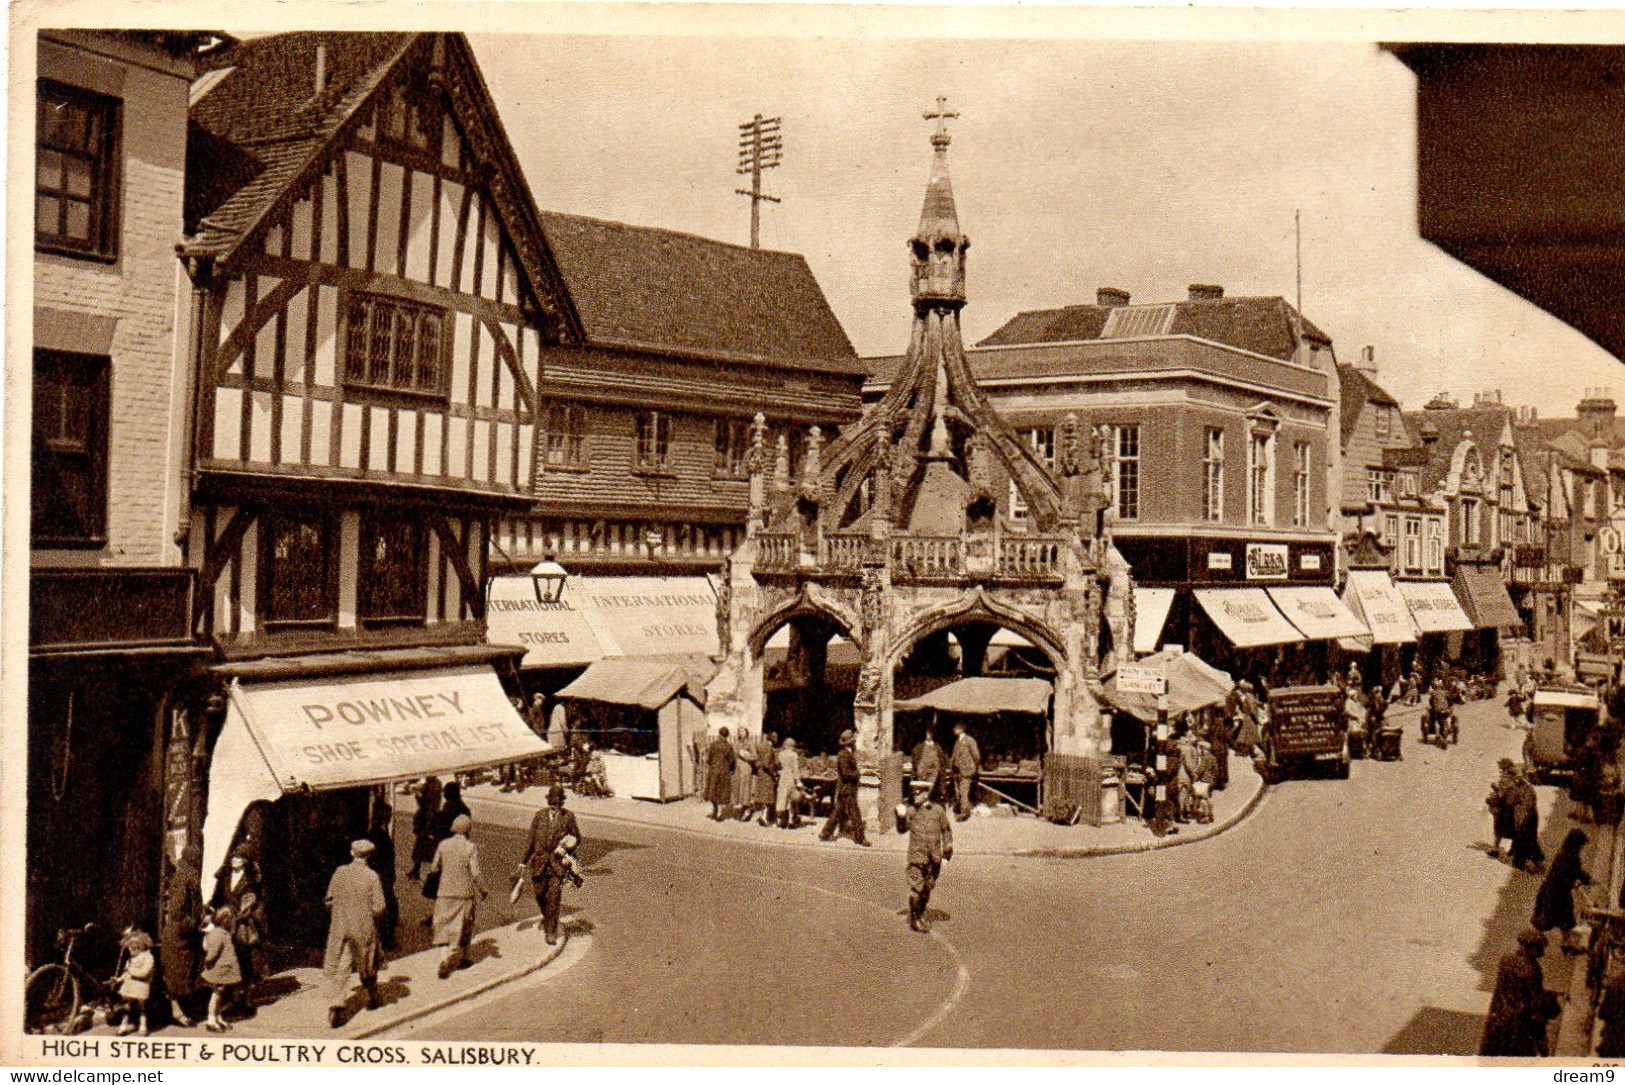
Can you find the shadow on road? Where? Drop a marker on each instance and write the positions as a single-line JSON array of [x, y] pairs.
[[1437, 1032]]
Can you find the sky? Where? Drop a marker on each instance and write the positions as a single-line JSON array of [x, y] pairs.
[[1076, 164]]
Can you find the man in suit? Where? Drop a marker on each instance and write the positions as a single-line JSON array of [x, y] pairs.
[[846, 817], [930, 844], [356, 905], [547, 871], [967, 762], [928, 763]]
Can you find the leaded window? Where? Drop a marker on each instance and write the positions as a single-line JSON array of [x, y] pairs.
[[395, 345]]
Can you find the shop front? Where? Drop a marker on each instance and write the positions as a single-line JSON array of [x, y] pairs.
[[1440, 621], [1488, 605], [310, 746], [1390, 644], [622, 663]]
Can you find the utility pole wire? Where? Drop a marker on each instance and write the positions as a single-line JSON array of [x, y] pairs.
[[760, 148]]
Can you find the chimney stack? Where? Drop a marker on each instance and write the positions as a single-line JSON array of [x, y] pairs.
[[1110, 297], [1206, 292], [1368, 361], [1596, 415], [321, 68]]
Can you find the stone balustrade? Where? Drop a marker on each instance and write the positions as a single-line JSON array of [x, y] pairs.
[[927, 555], [778, 550], [1028, 556]]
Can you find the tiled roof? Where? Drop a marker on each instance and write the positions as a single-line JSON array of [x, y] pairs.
[[639, 287], [1357, 389], [1263, 325], [1552, 428], [1452, 426]]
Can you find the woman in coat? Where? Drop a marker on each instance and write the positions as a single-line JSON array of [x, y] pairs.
[[765, 782], [180, 947], [1516, 1026], [241, 888], [744, 769], [1554, 904], [423, 822], [719, 774]]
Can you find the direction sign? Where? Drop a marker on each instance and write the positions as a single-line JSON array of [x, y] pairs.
[[1141, 678]]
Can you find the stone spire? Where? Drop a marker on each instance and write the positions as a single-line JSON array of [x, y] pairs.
[[938, 246]]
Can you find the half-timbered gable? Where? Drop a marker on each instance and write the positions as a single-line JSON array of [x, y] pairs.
[[371, 306]]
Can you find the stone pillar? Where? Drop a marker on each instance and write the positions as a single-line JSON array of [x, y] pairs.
[[973, 641]]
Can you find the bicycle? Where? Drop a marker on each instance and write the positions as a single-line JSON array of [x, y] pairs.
[[54, 994]]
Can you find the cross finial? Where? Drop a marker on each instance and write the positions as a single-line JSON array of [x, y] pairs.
[[942, 116]]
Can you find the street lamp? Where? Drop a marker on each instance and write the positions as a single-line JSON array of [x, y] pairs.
[[547, 577]]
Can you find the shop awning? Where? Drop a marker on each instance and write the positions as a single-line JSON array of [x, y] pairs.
[[1374, 599], [552, 634], [642, 683], [1247, 617], [1151, 606], [1483, 594], [1433, 605], [355, 730], [605, 617], [986, 697], [1318, 613], [1192, 685]]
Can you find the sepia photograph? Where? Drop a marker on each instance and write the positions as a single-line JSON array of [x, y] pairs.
[[544, 534]]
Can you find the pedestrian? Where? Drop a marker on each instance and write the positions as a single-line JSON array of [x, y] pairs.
[[1502, 802], [719, 774], [1516, 1026], [222, 972], [744, 789], [1527, 854], [927, 761], [134, 981], [382, 836], [423, 820], [457, 861], [967, 765], [846, 818], [765, 778], [180, 949], [1202, 782], [452, 807], [548, 829], [788, 791], [1190, 764], [355, 907], [240, 887], [1554, 903], [930, 844]]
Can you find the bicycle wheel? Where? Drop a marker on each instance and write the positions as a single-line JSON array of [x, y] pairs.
[[50, 999]]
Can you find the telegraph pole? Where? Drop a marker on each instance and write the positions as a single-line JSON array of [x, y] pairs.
[[1297, 230], [759, 149]]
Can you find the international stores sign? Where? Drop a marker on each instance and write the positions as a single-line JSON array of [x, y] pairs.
[[604, 618]]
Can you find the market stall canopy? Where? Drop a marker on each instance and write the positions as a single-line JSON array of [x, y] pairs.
[[355, 730], [605, 617], [1192, 685], [1247, 617], [1484, 595], [1151, 606], [1560, 698], [1372, 597], [1318, 613], [643, 683], [1587, 615], [985, 697], [1433, 605]]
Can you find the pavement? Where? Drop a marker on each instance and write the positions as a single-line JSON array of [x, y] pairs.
[[1357, 916], [982, 834]]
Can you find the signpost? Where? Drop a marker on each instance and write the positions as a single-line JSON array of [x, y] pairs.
[[1141, 678]]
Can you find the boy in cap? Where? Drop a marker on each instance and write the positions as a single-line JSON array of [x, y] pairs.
[[356, 905]]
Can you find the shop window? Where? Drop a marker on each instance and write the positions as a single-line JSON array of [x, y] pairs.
[[1213, 476], [732, 445], [394, 575], [298, 568], [394, 345], [76, 172], [71, 414], [653, 451], [563, 441]]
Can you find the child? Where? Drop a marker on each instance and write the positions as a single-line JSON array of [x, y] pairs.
[[221, 970], [134, 981]]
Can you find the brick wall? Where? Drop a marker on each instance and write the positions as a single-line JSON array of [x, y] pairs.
[[140, 291]]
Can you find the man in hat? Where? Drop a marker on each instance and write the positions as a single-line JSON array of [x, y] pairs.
[[457, 861], [846, 817], [928, 763], [930, 844], [548, 830], [356, 905], [966, 763], [1522, 1006], [1501, 804]]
